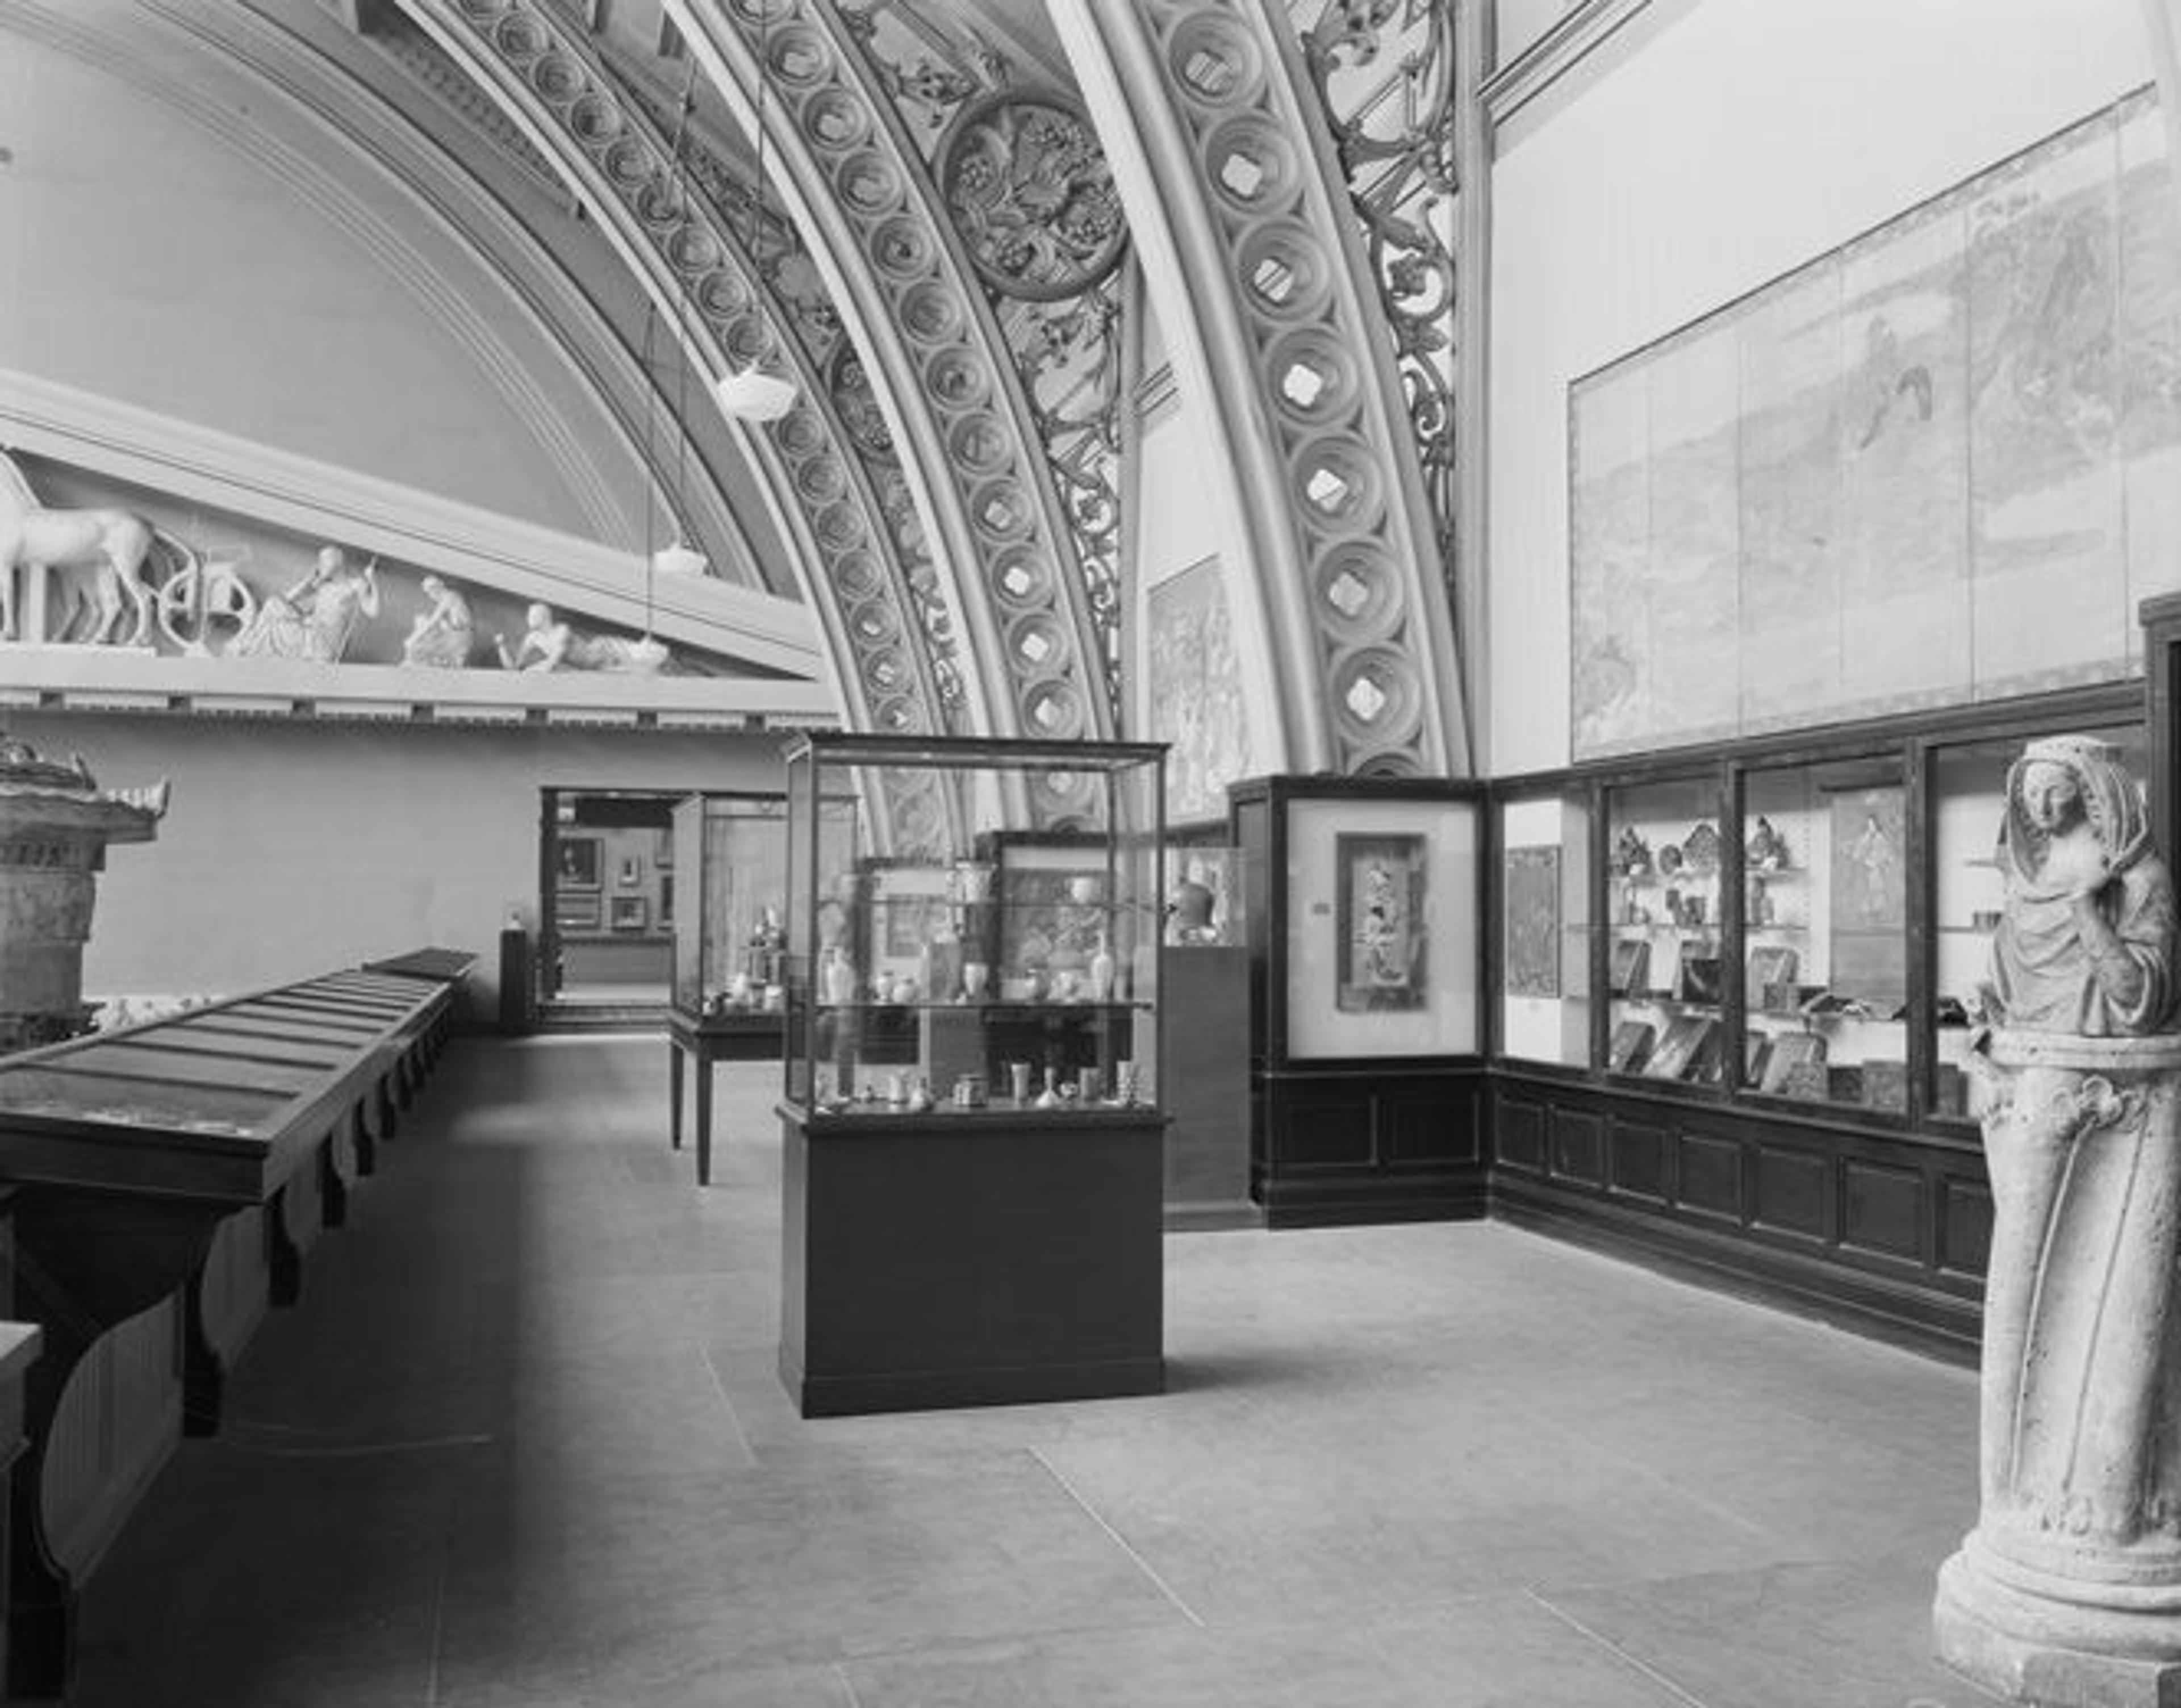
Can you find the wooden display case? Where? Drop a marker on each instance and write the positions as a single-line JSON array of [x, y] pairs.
[[1791, 936], [1366, 1073], [972, 1135]]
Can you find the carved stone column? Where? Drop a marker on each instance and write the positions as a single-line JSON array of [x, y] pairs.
[[55, 823], [2069, 1591]]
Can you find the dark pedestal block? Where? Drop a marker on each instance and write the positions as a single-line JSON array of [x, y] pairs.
[[1204, 1083], [993, 1258]]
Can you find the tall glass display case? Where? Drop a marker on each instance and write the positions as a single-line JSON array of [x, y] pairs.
[[726, 858], [972, 995]]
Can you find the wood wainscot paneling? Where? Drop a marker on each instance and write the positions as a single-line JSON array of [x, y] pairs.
[[1385, 1143], [1883, 1231]]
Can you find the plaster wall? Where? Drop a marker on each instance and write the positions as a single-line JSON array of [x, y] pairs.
[[292, 847], [1736, 141], [157, 247]]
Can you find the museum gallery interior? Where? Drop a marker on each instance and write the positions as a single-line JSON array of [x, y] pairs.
[[862, 853]]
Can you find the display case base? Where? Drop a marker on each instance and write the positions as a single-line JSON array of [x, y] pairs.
[[987, 1258]]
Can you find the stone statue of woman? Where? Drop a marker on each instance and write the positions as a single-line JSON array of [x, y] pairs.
[[2069, 1591]]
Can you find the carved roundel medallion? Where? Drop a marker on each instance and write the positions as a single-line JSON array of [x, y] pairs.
[[1031, 195]]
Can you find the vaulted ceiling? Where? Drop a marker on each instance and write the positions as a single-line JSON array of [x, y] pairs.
[[998, 250]]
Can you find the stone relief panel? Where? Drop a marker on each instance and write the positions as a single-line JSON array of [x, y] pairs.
[[219, 585]]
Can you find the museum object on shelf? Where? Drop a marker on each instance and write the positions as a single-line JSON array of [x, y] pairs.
[[972, 1108], [55, 825], [1365, 967]]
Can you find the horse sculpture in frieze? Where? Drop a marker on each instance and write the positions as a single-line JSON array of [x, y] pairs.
[[111, 550]]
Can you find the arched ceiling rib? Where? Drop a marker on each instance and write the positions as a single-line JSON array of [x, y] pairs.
[[546, 76], [938, 360], [1280, 341]]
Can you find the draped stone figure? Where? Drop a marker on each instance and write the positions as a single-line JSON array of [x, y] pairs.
[[2069, 1591]]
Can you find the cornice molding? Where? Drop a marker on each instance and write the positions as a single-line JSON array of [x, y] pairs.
[[1554, 57], [189, 460]]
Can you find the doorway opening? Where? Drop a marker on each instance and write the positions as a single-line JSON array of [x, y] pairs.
[[606, 914]]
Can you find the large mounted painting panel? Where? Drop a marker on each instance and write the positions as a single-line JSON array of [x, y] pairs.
[[1937, 465], [2044, 411], [1196, 705], [2149, 359], [1789, 493]]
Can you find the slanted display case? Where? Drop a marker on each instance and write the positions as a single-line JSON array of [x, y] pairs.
[[726, 859], [1367, 1076], [972, 1117]]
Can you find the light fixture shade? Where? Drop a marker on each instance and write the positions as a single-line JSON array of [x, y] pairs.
[[751, 394], [678, 559]]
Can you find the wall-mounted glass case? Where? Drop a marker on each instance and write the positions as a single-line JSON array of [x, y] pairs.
[[947, 950], [1809, 929]]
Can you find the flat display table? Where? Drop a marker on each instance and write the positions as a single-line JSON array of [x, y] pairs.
[[749, 1035]]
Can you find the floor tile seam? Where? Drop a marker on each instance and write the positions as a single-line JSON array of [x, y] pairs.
[[1633, 1662], [1141, 1564], [734, 1414]]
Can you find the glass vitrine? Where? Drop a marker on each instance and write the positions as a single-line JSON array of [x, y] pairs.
[[728, 861], [1826, 880], [1664, 931], [1547, 927], [974, 926]]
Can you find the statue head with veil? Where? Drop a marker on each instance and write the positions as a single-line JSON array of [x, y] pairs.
[[2085, 942]]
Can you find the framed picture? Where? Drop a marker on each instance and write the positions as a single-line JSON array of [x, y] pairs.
[[1378, 915], [576, 858], [575, 910], [1534, 922], [662, 850], [908, 908], [631, 872], [1053, 904], [665, 899], [1381, 898], [630, 913]]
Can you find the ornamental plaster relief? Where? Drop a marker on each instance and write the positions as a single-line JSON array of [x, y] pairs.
[[960, 418], [1292, 352]]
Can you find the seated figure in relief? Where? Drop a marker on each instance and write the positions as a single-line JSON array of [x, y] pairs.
[[549, 643], [443, 633], [316, 618], [2085, 944]]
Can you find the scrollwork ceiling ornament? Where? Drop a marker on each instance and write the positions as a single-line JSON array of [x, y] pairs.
[[1277, 294], [1025, 184], [964, 432], [605, 144], [1383, 71]]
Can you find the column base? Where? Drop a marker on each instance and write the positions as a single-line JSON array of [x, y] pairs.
[[2052, 1653]]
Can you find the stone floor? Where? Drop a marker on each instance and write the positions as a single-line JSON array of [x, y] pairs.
[[523, 1443]]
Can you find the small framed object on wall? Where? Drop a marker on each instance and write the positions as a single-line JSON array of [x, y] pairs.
[[631, 913]]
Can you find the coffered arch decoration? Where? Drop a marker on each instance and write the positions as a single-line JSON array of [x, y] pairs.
[[935, 358], [546, 76], [1270, 304]]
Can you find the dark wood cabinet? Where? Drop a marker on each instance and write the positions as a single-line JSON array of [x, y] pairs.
[[1366, 1073]]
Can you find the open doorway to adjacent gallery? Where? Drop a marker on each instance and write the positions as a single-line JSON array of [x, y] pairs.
[[605, 876]]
